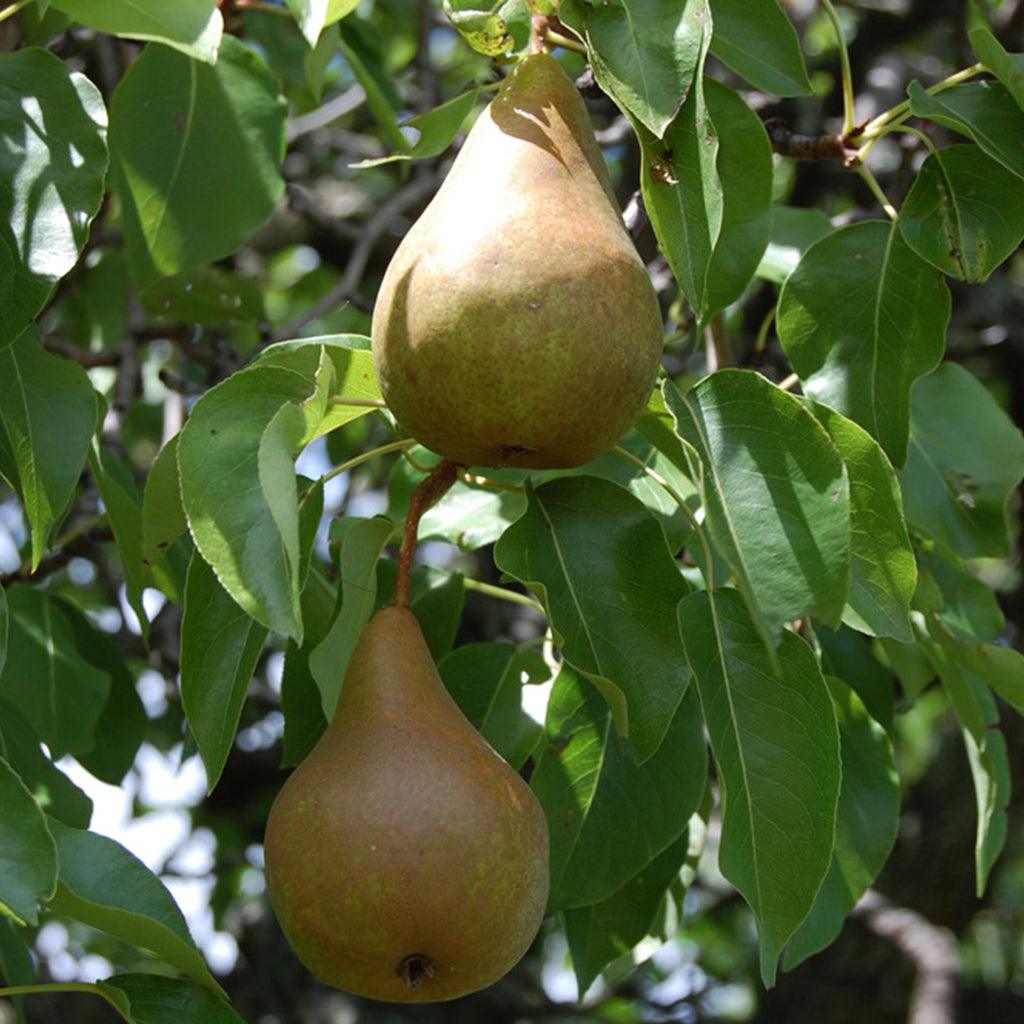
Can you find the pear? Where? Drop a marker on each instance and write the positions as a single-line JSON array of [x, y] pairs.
[[406, 861], [516, 324]]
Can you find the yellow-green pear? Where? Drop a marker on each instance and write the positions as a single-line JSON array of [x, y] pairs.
[[516, 324], [406, 861]]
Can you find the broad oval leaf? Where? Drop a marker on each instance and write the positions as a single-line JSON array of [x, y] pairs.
[[53, 164], [609, 817], [758, 41], [28, 858], [776, 494], [644, 52], [163, 518], [103, 885], [192, 26], [968, 609], [965, 458], [228, 512], [983, 111], [964, 213], [794, 230], [861, 318], [48, 414], [178, 132], [60, 693], [598, 560], [883, 571], [153, 999], [220, 645], [1007, 67], [866, 825], [486, 680], [776, 745]]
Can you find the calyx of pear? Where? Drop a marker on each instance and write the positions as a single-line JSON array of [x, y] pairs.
[[406, 861], [516, 324]]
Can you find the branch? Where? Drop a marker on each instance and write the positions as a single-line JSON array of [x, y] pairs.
[[932, 951], [59, 559], [808, 147], [408, 196]]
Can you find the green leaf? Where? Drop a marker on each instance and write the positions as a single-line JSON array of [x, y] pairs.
[[192, 26], [59, 692], [4, 626], [644, 52], [910, 666], [152, 999], [484, 30], [598, 561], [983, 111], [48, 412], [776, 745], [687, 220], [486, 681], [362, 542], [177, 129], [103, 885], [883, 571], [860, 319], [163, 518], [231, 519], [123, 506], [220, 645], [866, 825], [793, 231], [206, 295], [964, 213], [16, 967], [122, 722], [759, 43], [314, 15], [602, 932], [775, 493], [437, 604], [965, 458], [53, 163], [969, 610], [1001, 668], [978, 716], [745, 169], [28, 860], [848, 655], [609, 817], [1007, 67], [50, 787]]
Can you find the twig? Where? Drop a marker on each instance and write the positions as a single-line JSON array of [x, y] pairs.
[[74, 547], [808, 147], [719, 351], [337, 106], [503, 594], [415, 191], [83, 356], [932, 951], [427, 491], [844, 66], [393, 446]]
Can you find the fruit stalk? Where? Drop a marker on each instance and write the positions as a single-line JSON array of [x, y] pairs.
[[427, 491]]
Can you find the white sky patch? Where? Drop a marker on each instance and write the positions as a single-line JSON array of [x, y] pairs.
[[535, 699]]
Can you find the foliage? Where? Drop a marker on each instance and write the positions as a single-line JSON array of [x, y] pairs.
[[797, 554]]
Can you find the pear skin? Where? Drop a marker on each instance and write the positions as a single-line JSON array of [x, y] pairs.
[[406, 861], [516, 324]]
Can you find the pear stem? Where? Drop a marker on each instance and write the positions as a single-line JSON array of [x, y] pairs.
[[427, 491]]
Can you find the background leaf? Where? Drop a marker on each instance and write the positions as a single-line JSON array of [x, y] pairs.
[[598, 560], [965, 457], [151, 999], [861, 318]]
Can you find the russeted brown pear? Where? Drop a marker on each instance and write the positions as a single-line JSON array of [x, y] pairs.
[[516, 324], [406, 861]]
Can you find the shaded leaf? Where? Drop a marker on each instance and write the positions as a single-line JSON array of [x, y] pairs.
[[969, 609], [598, 561], [964, 459], [776, 745], [163, 518], [794, 230], [860, 319], [1007, 67], [152, 999], [609, 817], [848, 655]]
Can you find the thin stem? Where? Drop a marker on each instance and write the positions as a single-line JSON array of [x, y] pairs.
[[504, 595], [393, 446], [788, 382], [363, 403], [844, 65], [761, 341], [557, 39], [58, 986], [908, 130], [486, 481], [427, 491], [9, 12], [875, 125], [683, 507], [720, 349], [876, 190]]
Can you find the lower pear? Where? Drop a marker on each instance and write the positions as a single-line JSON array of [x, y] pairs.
[[406, 861]]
